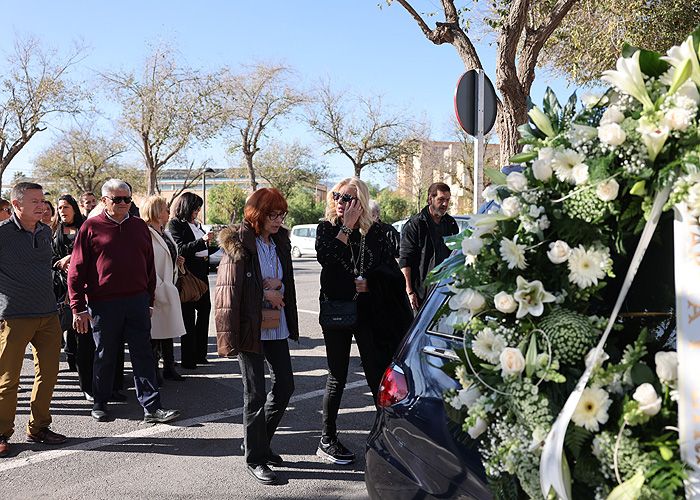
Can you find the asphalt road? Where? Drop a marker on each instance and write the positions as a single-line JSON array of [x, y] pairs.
[[197, 456]]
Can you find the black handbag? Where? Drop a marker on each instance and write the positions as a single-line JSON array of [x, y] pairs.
[[338, 315], [65, 316]]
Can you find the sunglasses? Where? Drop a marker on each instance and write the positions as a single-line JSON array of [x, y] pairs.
[[274, 216], [346, 198], [120, 199]]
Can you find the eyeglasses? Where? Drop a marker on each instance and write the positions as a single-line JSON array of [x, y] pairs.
[[279, 215], [345, 198], [120, 199]]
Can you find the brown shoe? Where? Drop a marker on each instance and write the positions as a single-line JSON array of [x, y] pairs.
[[4, 447], [46, 436]]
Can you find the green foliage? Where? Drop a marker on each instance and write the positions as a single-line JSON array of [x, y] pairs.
[[225, 203], [392, 206], [303, 208], [592, 35], [577, 440]]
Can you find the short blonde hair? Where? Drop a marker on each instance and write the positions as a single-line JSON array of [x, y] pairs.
[[365, 221], [151, 208]]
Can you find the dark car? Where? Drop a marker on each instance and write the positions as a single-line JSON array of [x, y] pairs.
[[414, 450]]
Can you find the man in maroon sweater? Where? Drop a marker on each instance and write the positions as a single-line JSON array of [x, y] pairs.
[[111, 283]]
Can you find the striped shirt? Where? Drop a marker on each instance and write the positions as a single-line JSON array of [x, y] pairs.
[[26, 278], [271, 267]]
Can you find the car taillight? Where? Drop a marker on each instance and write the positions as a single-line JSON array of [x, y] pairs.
[[393, 387]]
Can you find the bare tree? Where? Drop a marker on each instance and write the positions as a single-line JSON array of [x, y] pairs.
[[260, 97], [287, 165], [522, 27], [167, 109], [191, 177], [362, 131], [35, 87], [80, 160]]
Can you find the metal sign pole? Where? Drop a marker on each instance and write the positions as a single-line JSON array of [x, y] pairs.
[[479, 141]]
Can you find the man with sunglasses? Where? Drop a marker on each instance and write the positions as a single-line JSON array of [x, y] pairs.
[[422, 242], [111, 284]]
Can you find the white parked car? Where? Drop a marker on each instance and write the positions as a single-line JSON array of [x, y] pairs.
[[303, 238]]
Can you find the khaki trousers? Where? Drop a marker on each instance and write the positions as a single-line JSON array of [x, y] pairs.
[[44, 333]]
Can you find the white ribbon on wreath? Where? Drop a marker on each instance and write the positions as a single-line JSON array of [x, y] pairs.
[[552, 467], [686, 232]]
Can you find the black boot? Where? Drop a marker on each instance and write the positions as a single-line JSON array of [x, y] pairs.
[[169, 371]]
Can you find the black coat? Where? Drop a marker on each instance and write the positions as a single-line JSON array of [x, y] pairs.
[[385, 309], [187, 246], [417, 250]]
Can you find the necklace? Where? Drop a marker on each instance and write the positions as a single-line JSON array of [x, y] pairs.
[[360, 258]]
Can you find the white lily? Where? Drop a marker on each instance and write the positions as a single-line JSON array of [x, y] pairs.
[[678, 55], [542, 121], [653, 135], [628, 78], [531, 297]]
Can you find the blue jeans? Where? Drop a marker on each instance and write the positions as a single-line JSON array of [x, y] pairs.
[[114, 322]]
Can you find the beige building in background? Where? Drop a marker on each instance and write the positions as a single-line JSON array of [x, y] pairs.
[[443, 161]]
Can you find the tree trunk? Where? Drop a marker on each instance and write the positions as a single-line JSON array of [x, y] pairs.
[[358, 170], [152, 180], [2, 172], [251, 172], [511, 114]]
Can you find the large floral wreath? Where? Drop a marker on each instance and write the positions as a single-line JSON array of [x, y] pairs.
[[534, 284]]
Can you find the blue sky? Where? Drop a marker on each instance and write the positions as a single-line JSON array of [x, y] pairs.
[[360, 47]]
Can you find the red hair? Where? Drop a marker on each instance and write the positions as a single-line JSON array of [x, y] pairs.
[[262, 203]]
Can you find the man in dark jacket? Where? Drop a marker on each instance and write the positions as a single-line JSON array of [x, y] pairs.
[[422, 245], [111, 283]]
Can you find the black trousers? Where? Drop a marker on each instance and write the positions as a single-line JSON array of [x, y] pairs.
[[85, 359], [338, 357], [195, 343], [262, 412], [113, 322]]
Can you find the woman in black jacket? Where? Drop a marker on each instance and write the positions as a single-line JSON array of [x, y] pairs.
[[193, 244], [357, 263]]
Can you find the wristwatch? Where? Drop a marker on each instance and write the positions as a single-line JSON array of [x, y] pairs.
[[345, 230]]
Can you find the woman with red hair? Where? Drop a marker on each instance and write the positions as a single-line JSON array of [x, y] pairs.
[[256, 312]]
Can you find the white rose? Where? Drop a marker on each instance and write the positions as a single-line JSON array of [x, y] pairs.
[[467, 299], [559, 252], [469, 396], [478, 428], [649, 401], [545, 154], [510, 207], [580, 173], [611, 134], [542, 169], [612, 115], [608, 190], [678, 118], [516, 182], [512, 361], [666, 366], [472, 246], [505, 302], [490, 193]]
